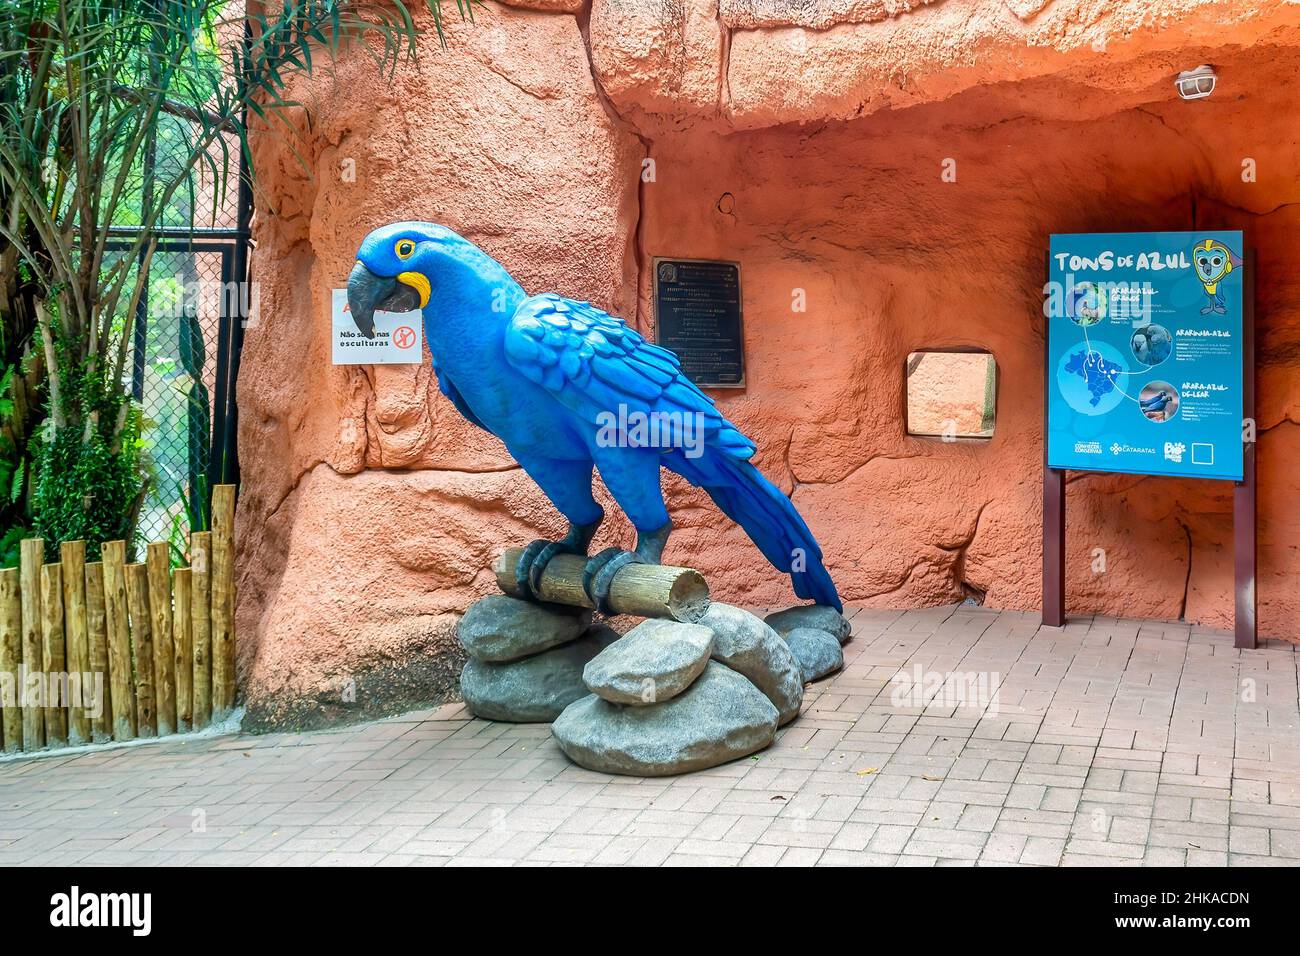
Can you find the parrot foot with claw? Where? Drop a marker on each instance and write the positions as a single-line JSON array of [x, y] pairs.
[[599, 573], [538, 554]]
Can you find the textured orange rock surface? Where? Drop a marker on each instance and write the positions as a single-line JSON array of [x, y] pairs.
[[806, 140], [951, 394]]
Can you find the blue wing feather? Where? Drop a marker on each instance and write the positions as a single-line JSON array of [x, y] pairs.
[[593, 362]]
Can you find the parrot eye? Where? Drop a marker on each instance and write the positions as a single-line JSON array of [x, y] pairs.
[[404, 249]]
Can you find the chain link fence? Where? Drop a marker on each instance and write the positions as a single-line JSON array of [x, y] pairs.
[[173, 377], [188, 325]]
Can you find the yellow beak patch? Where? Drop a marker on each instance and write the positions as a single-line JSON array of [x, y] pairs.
[[418, 282]]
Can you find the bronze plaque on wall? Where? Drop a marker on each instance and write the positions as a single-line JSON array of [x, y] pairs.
[[698, 316]]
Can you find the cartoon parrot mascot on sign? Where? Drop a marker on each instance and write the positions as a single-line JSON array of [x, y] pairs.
[[545, 375], [1213, 262]]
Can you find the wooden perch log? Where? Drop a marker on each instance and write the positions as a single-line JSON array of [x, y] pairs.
[[647, 590]]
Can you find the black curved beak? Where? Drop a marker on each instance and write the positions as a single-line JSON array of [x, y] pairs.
[[369, 293]]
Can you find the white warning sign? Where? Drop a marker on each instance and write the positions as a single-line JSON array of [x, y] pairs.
[[398, 337]]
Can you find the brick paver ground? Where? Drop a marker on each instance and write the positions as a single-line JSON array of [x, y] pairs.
[[1110, 742]]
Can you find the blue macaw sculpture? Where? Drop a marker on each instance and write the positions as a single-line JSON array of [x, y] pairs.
[[558, 381]]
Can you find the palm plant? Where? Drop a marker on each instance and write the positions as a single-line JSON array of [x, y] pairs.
[[85, 86]]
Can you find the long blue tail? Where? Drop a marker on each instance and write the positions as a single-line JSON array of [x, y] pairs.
[[766, 514]]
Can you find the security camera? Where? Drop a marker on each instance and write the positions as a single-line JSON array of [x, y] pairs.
[[1196, 84]]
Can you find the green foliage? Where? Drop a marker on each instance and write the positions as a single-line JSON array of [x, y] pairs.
[[90, 479], [10, 544], [12, 467], [89, 89], [18, 448], [89, 489], [198, 420]]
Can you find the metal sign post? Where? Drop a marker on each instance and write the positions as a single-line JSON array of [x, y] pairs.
[[1245, 632]]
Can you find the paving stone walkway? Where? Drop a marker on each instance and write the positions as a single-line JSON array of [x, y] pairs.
[[1106, 742]]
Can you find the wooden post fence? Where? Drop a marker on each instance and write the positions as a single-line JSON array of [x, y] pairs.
[[160, 616], [184, 649], [223, 600], [76, 626], [54, 656], [101, 710], [119, 641], [11, 657], [137, 605], [32, 552], [93, 651], [201, 624]]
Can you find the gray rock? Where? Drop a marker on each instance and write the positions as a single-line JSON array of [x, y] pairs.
[[500, 628], [718, 718], [746, 644], [534, 689], [653, 662], [810, 615], [817, 652]]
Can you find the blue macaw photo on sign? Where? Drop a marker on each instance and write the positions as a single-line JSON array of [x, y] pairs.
[[569, 388]]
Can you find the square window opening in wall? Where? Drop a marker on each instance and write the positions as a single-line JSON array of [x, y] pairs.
[[951, 395]]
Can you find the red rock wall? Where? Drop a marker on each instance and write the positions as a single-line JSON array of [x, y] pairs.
[[812, 154]]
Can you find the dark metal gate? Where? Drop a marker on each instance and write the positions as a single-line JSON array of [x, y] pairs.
[[188, 327], [185, 359], [186, 341]]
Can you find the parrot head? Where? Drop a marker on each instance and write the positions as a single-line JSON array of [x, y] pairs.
[[1213, 260], [396, 269]]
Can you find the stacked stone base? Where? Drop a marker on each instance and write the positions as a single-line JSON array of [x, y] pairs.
[[665, 698], [526, 660]]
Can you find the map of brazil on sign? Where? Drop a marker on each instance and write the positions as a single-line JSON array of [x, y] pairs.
[[1144, 353], [398, 337]]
